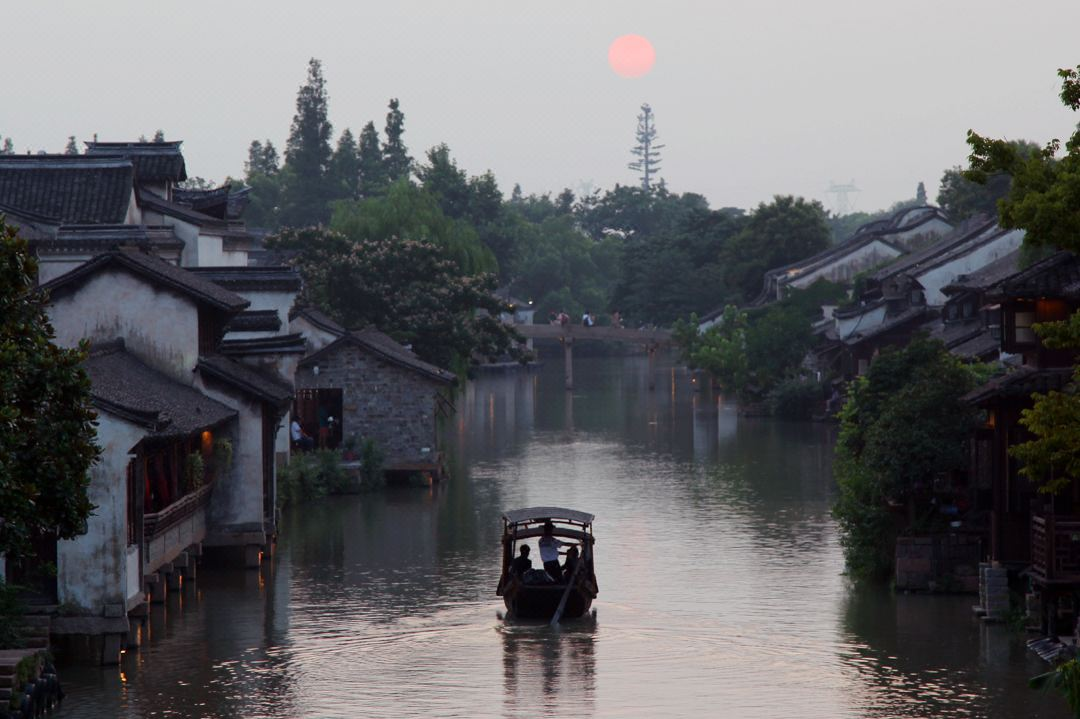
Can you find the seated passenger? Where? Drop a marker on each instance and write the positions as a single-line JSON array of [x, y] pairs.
[[571, 563], [521, 563]]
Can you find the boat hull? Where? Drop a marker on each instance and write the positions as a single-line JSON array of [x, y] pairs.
[[541, 601]]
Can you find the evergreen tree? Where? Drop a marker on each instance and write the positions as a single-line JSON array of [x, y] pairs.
[[369, 156], [308, 153], [8, 148], [646, 151], [396, 160], [159, 136], [48, 442], [262, 159], [72, 147], [345, 167], [920, 194], [445, 181], [516, 197]]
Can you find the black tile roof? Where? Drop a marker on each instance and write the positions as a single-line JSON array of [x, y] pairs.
[[255, 321], [102, 238], [1054, 276], [1020, 383], [124, 386], [987, 275], [318, 318], [386, 348], [275, 345], [250, 380], [153, 161], [966, 236], [226, 202], [907, 317], [73, 189], [284, 279], [157, 271], [152, 201]]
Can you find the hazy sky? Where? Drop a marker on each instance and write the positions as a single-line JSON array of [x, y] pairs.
[[752, 98]]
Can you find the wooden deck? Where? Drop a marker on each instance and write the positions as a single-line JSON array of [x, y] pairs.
[[1055, 549]]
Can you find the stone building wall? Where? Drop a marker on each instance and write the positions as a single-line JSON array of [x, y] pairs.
[[938, 563], [393, 405]]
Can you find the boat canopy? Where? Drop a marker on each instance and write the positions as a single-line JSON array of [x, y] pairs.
[[538, 514]]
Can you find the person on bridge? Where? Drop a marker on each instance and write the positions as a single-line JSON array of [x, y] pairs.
[[616, 319], [564, 319], [587, 319]]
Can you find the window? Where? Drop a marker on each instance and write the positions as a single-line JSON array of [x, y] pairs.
[[1022, 331]]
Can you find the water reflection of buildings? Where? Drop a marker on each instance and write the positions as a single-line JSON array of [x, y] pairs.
[[905, 666], [549, 672]]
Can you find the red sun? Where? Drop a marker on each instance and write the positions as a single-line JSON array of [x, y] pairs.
[[631, 56]]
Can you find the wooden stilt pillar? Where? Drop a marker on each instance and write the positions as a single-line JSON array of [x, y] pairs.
[[652, 365], [568, 361]]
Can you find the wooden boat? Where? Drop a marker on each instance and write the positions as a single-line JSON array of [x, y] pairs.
[[534, 595]]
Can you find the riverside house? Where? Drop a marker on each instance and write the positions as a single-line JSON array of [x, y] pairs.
[[191, 379], [376, 389], [1031, 534]]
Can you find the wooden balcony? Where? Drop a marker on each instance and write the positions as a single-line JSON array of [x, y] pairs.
[[175, 528], [1055, 549]]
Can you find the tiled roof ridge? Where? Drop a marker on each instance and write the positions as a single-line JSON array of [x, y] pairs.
[[170, 275]]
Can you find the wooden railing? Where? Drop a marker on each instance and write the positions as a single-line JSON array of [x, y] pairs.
[[1055, 548], [157, 522]]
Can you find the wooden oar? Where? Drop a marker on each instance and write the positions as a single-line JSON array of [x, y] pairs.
[[566, 594]]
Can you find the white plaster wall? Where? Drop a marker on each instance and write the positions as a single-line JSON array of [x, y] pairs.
[[52, 266], [934, 228], [860, 323], [845, 267], [234, 258], [92, 570], [278, 300], [238, 498], [160, 326], [210, 253], [934, 279], [134, 212], [316, 338]]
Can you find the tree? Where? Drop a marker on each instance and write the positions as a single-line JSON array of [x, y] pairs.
[[345, 167], [307, 153], [396, 161], [7, 147], [47, 433], [1044, 200], [920, 194], [72, 147], [407, 288], [372, 170], [262, 159], [776, 234], [721, 351], [445, 181], [903, 425], [159, 136], [646, 150]]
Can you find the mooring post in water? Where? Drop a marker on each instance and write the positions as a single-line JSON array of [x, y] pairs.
[[568, 361], [651, 348]]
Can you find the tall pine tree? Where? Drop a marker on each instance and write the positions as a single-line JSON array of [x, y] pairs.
[[646, 151], [308, 153], [396, 160], [72, 147], [345, 167], [370, 159]]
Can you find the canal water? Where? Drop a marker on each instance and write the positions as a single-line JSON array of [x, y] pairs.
[[720, 573]]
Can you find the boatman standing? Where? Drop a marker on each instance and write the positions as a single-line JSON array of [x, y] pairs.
[[549, 552]]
